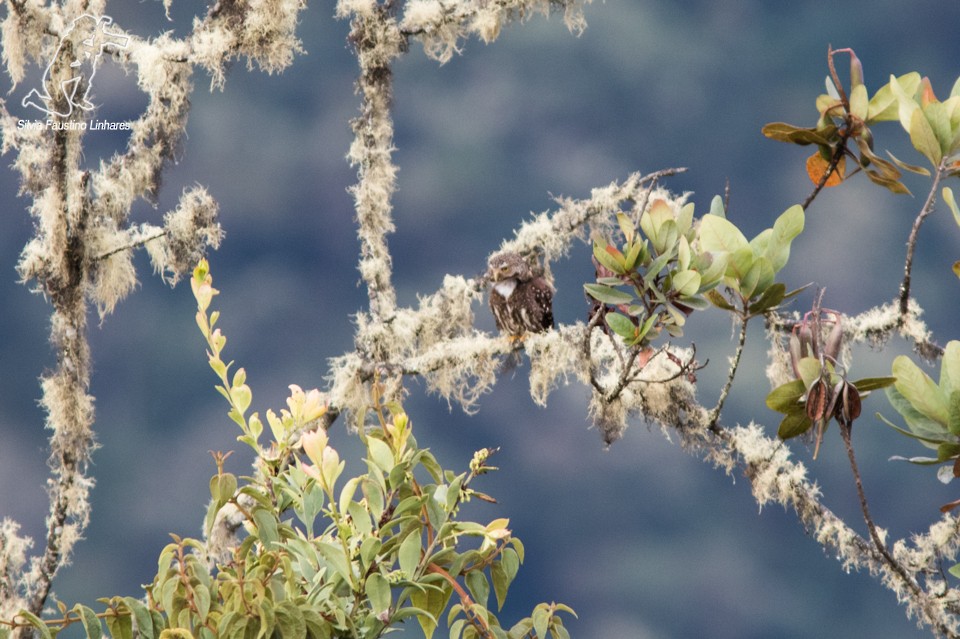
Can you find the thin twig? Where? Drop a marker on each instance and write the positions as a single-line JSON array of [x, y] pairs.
[[130, 246], [741, 340], [845, 428], [912, 240]]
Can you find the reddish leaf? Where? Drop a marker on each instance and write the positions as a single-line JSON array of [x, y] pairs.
[[817, 166]]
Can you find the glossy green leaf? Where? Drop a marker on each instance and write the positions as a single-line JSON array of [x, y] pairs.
[[608, 294]]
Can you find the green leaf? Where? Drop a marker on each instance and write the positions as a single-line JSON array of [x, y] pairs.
[[502, 573], [541, 617], [381, 454], [686, 282], [884, 105], [769, 300], [626, 227], [950, 368], [923, 137], [606, 259], [948, 450], [88, 618], [793, 425], [809, 370], [858, 102], [633, 255], [621, 325], [921, 426], [786, 397], [36, 622], [953, 425], [266, 526], [409, 554], [763, 271], [868, 384], [433, 601], [783, 132], [378, 591], [201, 597], [333, 554], [921, 391], [141, 615], [716, 206], [718, 235], [607, 294], [719, 301], [913, 168], [952, 203], [478, 586], [787, 227]]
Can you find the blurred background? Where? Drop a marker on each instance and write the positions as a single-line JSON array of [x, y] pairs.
[[641, 539]]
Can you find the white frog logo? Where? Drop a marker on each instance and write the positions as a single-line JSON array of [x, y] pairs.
[[61, 98]]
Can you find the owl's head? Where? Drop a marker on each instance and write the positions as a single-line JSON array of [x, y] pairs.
[[508, 265]]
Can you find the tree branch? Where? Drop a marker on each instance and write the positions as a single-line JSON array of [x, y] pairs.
[[914, 233]]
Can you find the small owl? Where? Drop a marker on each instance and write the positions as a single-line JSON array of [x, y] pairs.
[[521, 301]]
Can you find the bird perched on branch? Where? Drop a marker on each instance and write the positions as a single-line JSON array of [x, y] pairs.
[[521, 300]]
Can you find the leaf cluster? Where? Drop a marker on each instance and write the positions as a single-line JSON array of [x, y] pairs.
[[667, 265], [317, 557], [930, 409], [845, 116], [820, 391]]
